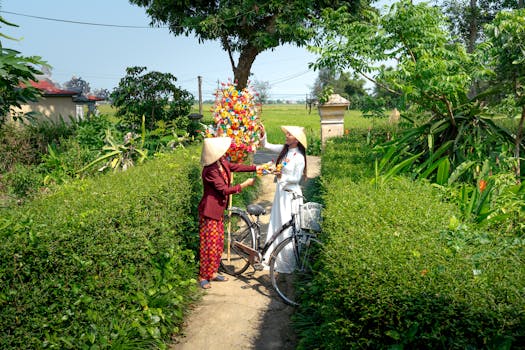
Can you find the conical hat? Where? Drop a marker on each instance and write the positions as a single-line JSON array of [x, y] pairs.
[[297, 132], [214, 148]]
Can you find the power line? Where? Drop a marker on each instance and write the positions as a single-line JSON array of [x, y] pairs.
[[108, 25], [290, 77], [78, 22]]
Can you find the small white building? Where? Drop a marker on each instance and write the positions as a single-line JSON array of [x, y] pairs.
[[54, 104]]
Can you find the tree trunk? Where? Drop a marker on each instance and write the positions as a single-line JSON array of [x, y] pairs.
[[473, 26], [241, 73], [519, 136]]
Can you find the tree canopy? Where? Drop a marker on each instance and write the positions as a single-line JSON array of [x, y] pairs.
[[433, 76], [152, 95], [246, 28], [342, 83], [263, 91], [505, 47], [78, 84], [16, 72], [467, 17]]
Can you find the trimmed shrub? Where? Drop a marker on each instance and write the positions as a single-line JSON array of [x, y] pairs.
[[350, 157], [400, 272], [104, 262]]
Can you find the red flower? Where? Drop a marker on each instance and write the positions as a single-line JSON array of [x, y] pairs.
[[482, 185]]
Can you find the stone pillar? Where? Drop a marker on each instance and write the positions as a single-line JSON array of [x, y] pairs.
[[332, 115], [394, 117]]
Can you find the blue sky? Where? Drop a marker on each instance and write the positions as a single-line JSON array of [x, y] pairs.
[[101, 54]]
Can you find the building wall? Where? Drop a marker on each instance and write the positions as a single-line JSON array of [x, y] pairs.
[[52, 108]]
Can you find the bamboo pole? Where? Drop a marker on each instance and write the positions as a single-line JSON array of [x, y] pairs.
[[230, 202]]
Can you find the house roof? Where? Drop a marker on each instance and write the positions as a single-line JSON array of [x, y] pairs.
[[95, 98], [87, 99], [49, 89]]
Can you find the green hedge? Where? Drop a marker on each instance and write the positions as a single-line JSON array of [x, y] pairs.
[[350, 157], [400, 273], [103, 262]]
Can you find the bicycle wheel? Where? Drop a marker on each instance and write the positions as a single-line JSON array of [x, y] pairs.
[[291, 265], [234, 261]]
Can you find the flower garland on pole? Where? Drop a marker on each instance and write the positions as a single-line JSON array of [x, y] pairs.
[[235, 116]]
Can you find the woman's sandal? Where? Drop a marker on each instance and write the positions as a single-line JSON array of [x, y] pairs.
[[220, 278], [205, 284]]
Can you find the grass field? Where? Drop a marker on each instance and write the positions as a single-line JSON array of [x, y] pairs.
[[275, 115]]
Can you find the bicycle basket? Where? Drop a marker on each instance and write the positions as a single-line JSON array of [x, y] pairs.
[[310, 216]]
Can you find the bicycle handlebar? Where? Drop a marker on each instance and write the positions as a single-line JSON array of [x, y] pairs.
[[294, 194]]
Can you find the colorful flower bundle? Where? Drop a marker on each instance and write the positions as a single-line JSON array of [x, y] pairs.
[[235, 116], [270, 168]]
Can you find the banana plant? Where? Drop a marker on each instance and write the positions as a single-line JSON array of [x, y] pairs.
[[119, 156]]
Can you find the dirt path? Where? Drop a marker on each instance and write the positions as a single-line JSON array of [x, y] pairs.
[[243, 313]]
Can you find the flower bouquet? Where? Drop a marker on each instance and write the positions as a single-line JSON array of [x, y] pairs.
[[270, 168], [235, 116]]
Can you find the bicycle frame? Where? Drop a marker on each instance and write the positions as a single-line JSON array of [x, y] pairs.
[[290, 223], [255, 232], [256, 255], [247, 250]]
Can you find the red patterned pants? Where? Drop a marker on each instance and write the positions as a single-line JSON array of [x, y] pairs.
[[211, 233]]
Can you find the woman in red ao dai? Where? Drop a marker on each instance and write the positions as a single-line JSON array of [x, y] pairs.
[[217, 187]]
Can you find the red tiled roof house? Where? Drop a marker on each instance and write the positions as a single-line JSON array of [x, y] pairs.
[[55, 103]]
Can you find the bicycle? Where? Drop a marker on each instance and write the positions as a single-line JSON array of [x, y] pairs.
[[291, 259]]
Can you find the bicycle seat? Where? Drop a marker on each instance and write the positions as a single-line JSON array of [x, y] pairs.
[[255, 209]]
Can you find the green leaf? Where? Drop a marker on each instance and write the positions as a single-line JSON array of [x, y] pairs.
[[460, 170], [443, 171]]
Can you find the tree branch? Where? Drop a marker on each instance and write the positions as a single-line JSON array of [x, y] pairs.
[[449, 110], [379, 84], [227, 47], [402, 39]]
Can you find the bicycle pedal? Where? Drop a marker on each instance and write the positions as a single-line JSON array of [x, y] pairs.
[[258, 266]]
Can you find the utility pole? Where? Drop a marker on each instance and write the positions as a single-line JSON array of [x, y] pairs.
[[200, 94], [195, 117]]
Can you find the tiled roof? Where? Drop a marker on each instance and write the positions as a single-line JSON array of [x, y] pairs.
[[87, 99], [49, 89], [95, 98]]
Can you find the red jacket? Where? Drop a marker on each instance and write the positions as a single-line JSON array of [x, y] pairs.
[[217, 190]]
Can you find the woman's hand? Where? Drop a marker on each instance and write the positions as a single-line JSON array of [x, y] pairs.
[[248, 182], [262, 132]]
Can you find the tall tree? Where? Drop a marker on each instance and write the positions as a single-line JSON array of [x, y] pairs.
[[246, 28], [505, 49], [432, 78], [467, 17], [262, 88], [340, 83], [78, 84], [152, 95], [102, 93], [325, 78]]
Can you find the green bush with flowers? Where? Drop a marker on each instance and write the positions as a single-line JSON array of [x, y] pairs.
[[401, 272]]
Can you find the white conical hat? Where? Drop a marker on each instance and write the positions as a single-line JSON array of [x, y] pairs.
[[213, 148], [297, 132]]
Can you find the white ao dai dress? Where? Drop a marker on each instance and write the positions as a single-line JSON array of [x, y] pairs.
[[281, 212]]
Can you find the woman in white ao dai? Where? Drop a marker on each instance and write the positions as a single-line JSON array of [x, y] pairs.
[[292, 155]]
